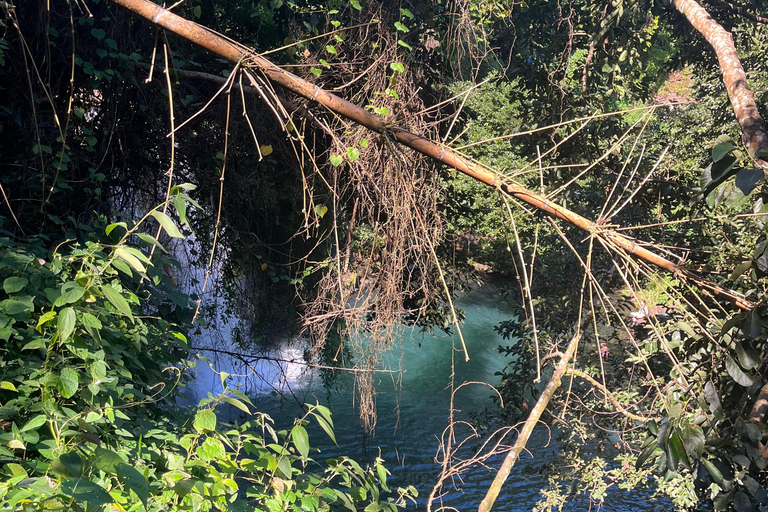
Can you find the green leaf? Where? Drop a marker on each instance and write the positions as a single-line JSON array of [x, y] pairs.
[[646, 454], [404, 44], [713, 399], [34, 423], [402, 28], [737, 374], [740, 269], [406, 13], [300, 440], [396, 66], [284, 468], [122, 267], [151, 240], [8, 386], [336, 160], [68, 382], [316, 71], [107, 460], [715, 473], [122, 253], [326, 427], [720, 150], [330, 49], [197, 12], [72, 292], [66, 323], [321, 210], [676, 453], [38, 343], [181, 208], [135, 481], [44, 319], [693, 439], [111, 227], [205, 419], [749, 359], [747, 180], [68, 464], [14, 284], [167, 223], [356, 4], [353, 154], [83, 490], [236, 403], [182, 487], [12, 307], [98, 33], [117, 300]]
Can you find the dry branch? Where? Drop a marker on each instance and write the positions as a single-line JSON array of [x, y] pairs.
[[246, 57], [753, 132]]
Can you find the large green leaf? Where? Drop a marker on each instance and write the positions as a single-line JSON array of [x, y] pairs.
[[71, 292], [737, 374], [14, 284], [107, 460], [300, 440], [83, 490], [205, 419], [68, 382], [135, 481]]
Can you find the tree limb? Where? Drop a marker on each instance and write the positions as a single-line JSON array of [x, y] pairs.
[[753, 132], [246, 57]]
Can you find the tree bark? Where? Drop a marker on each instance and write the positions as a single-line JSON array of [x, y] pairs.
[[754, 136], [246, 57]]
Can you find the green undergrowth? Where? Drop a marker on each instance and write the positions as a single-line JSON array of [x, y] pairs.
[[93, 358]]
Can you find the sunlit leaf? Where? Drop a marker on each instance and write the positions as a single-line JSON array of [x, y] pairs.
[[168, 225], [205, 419], [300, 440], [117, 300], [66, 323], [83, 490], [68, 382]]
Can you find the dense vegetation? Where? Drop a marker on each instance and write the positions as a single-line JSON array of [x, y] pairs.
[[615, 111]]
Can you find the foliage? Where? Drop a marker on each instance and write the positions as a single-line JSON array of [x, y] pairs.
[[93, 359]]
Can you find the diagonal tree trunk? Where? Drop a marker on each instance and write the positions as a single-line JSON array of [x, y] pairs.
[[246, 57], [753, 132]]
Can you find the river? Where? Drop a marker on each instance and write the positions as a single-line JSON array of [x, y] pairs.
[[412, 409]]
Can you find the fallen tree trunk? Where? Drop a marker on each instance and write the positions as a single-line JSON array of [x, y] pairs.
[[247, 57], [754, 135]]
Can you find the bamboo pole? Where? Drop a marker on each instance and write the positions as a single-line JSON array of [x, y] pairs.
[[246, 57]]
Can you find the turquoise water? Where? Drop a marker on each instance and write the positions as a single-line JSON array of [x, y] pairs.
[[413, 407]]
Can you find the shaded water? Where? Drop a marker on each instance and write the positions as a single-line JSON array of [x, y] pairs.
[[413, 408]]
